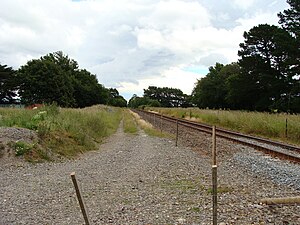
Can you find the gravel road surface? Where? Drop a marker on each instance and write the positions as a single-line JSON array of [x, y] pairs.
[[138, 179]]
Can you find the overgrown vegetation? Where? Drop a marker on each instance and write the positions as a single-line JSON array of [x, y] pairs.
[[129, 123], [255, 123], [65, 132], [148, 128]]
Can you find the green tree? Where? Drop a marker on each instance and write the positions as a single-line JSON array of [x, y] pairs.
[[290, 18], [115, 99], [44, 81], [57, 78], [267, 59], [87, 90], [167, 97], [211, 90], [141, 102], [7, 84]]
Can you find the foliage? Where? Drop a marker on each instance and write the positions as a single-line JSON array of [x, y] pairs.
[[212, 91], [267, 59], [22, 148], [7, 84], [167, 97], [290, 18], [115, 99], [87, 90], [137, 102], [255, 123], [129, 123], [66, 132], [56, 78], [267, 75]]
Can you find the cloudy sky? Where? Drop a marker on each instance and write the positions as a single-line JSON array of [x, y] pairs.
[[131, 44]]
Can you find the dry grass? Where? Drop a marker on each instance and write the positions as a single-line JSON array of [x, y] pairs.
[[267, 125], [66, 132]]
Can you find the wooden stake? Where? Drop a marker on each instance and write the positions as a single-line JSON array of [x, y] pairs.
[[160, 123], [214, 177], [176, 132], [276, 201], [214, 194], [85, 216], [286, 128], [214, 152]]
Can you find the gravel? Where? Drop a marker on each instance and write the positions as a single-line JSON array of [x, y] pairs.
[[138, 179]]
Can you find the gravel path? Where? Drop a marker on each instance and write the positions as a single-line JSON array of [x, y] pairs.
[[137, 179]]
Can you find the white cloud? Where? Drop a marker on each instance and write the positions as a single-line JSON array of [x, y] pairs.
[[244, 4], [132, 43]]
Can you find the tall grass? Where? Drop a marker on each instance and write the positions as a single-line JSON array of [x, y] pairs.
[[65, 131], [129, 122], [255, 123]]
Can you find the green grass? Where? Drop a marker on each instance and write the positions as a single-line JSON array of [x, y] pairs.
[[129, 122], [254, 123], [66, 132], [149, 129]]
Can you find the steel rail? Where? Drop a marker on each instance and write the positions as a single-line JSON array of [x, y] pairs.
[[232, 136]]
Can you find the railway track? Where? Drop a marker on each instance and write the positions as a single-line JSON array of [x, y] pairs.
[[274, 148]]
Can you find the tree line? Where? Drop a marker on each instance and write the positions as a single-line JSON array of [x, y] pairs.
[[267, 75], [55, 78], [265, 78], [160, 97]]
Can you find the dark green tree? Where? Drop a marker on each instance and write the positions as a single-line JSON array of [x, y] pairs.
[[8, 85], [267, 59], [211, 90], [115, 99], [289, 19], [87, 90], [57, 78], [167, 97], [141, 102], [44, 81]]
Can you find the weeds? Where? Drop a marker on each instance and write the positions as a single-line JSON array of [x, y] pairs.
[[63, 131], [129, 123], [256, 123]]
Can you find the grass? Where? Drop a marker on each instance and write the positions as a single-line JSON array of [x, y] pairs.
[[267, 125], [129, 122], [149, 129], [66, 132]]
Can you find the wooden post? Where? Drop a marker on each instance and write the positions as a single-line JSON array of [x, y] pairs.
[[80, 200], [214, 152], [154, 120], [214, 194], [285, 201], [160, 123], [176, 132], [286, 127], [214, 177]]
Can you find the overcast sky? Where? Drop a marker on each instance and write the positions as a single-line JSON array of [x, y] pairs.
[[131, 44]]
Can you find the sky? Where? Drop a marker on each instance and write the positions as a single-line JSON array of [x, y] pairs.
[[132, 44]]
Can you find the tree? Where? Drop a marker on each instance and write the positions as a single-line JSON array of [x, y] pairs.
[[44, 81], [57, 78], [290, 21], [7, 84], [141, 102], [167, 97], [267, 59], [211, 91], [115, 99], [87, 90], [290, 18]]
